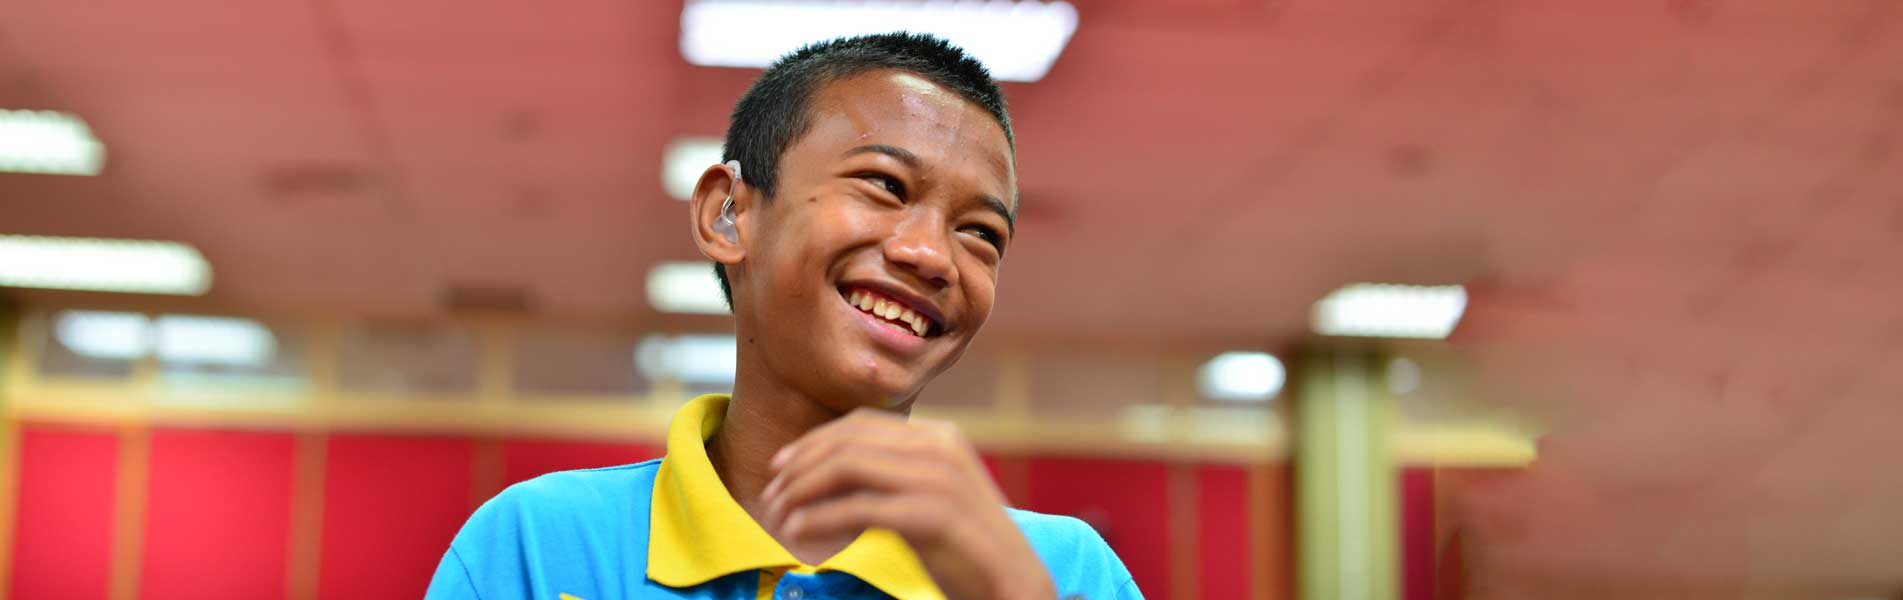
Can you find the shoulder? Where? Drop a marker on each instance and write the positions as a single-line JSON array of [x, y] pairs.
[[583, 488], [1081, 563], [1054, 529], [584, 529], [561, 506]]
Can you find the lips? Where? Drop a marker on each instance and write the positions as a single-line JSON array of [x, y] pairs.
[[895, 312]]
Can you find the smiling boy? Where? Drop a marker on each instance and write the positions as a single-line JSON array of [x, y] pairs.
[[858, 229]]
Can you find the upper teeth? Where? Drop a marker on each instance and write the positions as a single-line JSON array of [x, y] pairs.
[[889, 310]]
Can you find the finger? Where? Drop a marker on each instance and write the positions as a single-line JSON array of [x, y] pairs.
[[848, 474], [940, 442], [858, 423], [923, 440], [952, 441], [917, 518], [872, 439]]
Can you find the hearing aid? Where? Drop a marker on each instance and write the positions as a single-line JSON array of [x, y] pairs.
[[724, 224]]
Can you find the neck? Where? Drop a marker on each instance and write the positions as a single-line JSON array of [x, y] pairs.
[[761, 419], [765, 415]]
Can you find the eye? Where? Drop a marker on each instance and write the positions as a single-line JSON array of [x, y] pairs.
[[890, 184], [989, 235]]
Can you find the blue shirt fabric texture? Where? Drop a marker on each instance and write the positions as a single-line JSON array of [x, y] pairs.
[[666, 528]]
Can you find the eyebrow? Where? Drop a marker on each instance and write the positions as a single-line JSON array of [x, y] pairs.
[[997, 206], [903, 155], [912, 160]]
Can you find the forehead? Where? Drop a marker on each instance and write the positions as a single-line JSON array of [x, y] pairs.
[[896, 108]]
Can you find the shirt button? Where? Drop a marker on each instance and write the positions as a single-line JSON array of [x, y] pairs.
[[793, 592]]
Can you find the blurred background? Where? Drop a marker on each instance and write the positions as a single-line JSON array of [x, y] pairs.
[[1311, 299]]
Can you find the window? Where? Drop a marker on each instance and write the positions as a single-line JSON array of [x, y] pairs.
[[568, 363], [403, 358]]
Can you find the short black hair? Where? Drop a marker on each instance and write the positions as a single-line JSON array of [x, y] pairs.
[[773, 113]]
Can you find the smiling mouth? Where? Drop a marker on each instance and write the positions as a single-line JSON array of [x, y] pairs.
[[892, 312]]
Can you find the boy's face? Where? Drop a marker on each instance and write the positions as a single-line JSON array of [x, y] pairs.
[[900, 193]]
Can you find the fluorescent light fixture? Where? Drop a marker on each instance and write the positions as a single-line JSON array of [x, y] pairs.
[[1016, 40], [685, 287], [102, 265], [1398, 311], [702, 359], [103, 335], [686, 158], [190, 339], [48, 142], [1242, 377]]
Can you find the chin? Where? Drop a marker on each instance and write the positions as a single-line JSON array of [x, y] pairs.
[[895, 393], [868, 382]]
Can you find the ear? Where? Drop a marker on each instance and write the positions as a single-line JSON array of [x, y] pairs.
[[712, 191]]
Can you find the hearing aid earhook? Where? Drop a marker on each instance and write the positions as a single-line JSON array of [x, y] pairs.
[[724, 224]]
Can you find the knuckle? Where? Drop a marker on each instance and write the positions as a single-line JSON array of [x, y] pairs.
[[951, 433], [923, 518]]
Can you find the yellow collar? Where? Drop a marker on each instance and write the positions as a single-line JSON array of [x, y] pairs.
[[698, 532]]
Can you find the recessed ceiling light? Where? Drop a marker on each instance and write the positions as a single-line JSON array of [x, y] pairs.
[[102, 265], [1016, 40], [686, 158], [1403, 376], [1242, 376], [685, 287], [48, 142], [1385, 310]]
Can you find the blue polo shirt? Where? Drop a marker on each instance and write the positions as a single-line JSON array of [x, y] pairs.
[[668, 529]]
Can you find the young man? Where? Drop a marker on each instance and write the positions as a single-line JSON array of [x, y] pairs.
[[858, 229]]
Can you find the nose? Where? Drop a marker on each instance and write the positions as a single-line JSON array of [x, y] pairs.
[[920, 244]]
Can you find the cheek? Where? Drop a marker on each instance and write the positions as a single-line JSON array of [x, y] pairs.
[[832, 225], [805, 239], [980, 290]]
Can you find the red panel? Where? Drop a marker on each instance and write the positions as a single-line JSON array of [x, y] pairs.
[[1222, 532], [391, 505], [524, 459], [997, 466], [218, 515], [1417, 533], [993, 468], [62, 545], [1128, 501], [1007, 471]]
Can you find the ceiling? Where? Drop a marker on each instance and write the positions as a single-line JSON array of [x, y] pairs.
[[1190, 169], [1682, 220]]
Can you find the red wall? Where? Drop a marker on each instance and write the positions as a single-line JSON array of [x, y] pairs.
[[1417, 533], [218, 510], [1128, 500], [391, 505], [217, 516], [1224, 553], [62, 544]]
